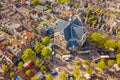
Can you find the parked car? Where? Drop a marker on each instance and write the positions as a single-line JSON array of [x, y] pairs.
[[96, 60], [67, 57], [54, 73], [28, 64], [85, 50]]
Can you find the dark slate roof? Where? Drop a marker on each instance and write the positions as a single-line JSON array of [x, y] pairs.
[[61, 24], [72, 31], [77, 22], [72, 42]]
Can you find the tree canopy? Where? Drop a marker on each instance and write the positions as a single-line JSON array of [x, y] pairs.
[[118, 46], [118, 59], [49, 77], [28, 72], [111, 62], [28, 55], [46, 53], [46, 41], [12, 74], [63, 76], [43, 68], [37, 62], [20, 65], [76, 72], [101, 64], [81, 79], [34, 78], [89, 70], [99, 39], [38, 47], [85, 62], [4, 67], [35, 2], [63, 1], [110, 44], [77, 63]]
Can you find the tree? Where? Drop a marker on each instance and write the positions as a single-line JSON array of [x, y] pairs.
[[20, 65], [111, 62], [1, 6], [118, 46], [34, 78], [88, 14], [85, 62], [43, 68], [101, 64], [110, 44], [35, 2], [46, 41], [77, 63], [89, 70], [76, 72], [97, 10], [63, 1], [99, 39], [49, 77], [46, 53], [96, 37], [118, 59], [28, 55], [48, 6], [4, 67], [81, 79], [63, 76], [38, 47], [76, 5], [28, 72], [37, 62], [12, 74]]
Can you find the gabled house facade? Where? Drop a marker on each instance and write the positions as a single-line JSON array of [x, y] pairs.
[[69, 35]]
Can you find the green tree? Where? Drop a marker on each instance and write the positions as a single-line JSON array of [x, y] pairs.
[[38, 47], [85, 62], [77, 63], [43, 68], [1, 6], [28, 55], [46, 41], [101, 65], [110, 44], [99, 39], [89, 70], [12, 74], [63, 1], [118, 35], [35, 2], [96, 37], [34, 78], [63, 76], [81, 79], [111, 62], [28, 72], [4, 67], [37, 62], [88, 14], [20, 65], [76, 72], [48, 6], [46, 53], [118, 46], [49, 77], [118, 59], [76, 5]]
